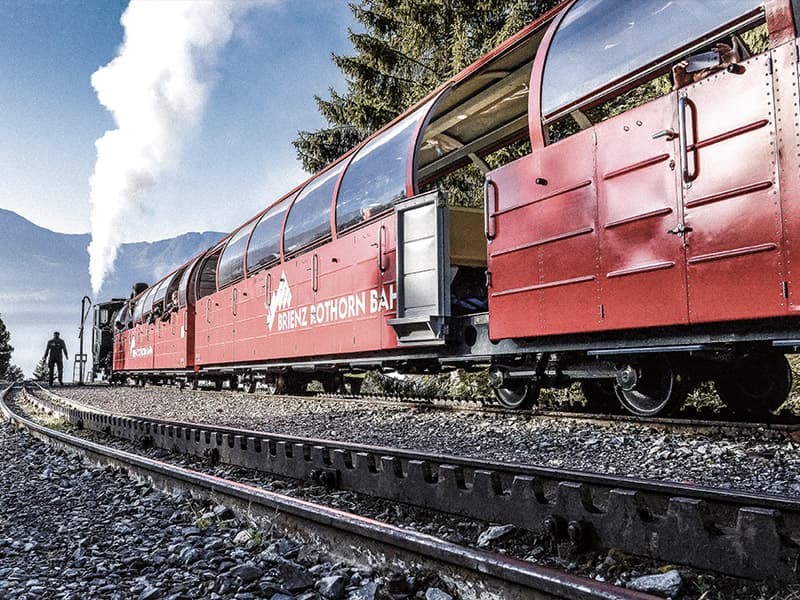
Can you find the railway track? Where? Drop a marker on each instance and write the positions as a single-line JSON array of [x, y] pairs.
[[474, 573], [778, 427], [742, 534]]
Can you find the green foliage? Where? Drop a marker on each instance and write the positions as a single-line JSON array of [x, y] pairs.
[[14, 373], [407, 49], [5, 349], [40, 372]]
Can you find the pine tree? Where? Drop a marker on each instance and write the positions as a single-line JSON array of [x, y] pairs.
[[5, 349], [40, 372], [408, 48], [14, 373]]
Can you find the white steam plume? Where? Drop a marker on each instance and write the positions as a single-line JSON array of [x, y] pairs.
[[155, 92]]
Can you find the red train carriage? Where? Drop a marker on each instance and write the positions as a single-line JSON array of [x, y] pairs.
[[642, 243]]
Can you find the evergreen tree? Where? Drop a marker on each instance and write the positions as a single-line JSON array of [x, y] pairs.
[[40, 372], [408, 48], [5, 349], [14, 373]]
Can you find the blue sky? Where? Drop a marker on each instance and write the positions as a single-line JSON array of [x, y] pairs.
[[238, 160]]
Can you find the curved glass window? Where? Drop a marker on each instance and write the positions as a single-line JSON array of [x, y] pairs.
[[309, 218], [183, 286], [206, 280], [143, 305], [600, 41], [161, 290], [265, 243], [147, 305], [376, 177], [171, 291], [123, 316], [138, 305], [231, 263]]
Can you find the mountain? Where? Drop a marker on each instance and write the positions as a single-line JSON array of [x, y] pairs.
[[44, 275]]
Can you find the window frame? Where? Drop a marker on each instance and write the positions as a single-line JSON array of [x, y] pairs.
[[414, 120], [288, 200], [333, 173], [655, 68], [241, 234]]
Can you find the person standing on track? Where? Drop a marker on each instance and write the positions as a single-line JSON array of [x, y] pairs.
[[52, 354]]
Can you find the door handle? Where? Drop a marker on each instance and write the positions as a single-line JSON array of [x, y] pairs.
[[381, 248], [490, 206], [665, 133], [683, 102], [315, 272], [680, 229]]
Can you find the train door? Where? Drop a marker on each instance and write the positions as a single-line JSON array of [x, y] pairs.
[[259, 293], [206, 310], [541, 226], [230, 278], [306, 237], [643, 265], [349, 280], [785, 86], [731, 195]]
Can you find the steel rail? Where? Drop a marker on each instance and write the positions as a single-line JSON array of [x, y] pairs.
[[743, 534], [777, 427], [476, 574]]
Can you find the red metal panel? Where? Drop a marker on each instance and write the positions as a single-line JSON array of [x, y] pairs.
[[785, 81], [643, 273], [173, 341], [543, 259], [120, 349], [349, 278], [732, 206], [251, 319], [140, 347], [220, 334], [210, 325]]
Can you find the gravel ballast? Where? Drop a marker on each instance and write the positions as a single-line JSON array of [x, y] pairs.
[[70, 530], [748, 460]]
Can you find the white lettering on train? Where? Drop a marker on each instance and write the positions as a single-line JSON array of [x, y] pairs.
[[141, 352], [343, 308]]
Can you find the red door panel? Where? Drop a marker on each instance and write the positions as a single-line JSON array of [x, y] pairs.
[[288, 320], [785, 85], [349, 276], [732, 200], [251, 315], [643, 274], [543, 258]]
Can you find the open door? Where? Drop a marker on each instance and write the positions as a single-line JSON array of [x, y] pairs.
[[423, 261]]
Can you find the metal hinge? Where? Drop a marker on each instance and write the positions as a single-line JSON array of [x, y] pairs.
[[602, 311], [769, 65], [796, 54], [785, 286], [488, 279]]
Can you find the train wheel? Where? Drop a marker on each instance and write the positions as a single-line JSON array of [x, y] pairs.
[[600, 396], [756, 383], [331, 384], [353, 385], [651, 386], [290, 384], [218, 384], [517, 393]]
